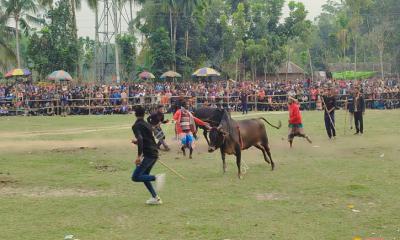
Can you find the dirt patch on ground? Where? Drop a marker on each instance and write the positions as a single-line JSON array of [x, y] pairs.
[[68, 150], [50, 192], [61, 146], [270, 197], [62, 131], [105, 168]]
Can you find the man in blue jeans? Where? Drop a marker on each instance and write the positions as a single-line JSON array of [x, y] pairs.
[[147, 157]]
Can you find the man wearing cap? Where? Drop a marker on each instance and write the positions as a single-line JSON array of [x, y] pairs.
[[147, 157]]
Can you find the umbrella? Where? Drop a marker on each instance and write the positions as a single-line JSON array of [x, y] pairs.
[[18, 72], [171, 74], [146, 75], [60, 75], [206, 72]]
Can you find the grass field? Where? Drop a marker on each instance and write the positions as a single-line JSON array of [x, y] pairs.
[[61, 176]]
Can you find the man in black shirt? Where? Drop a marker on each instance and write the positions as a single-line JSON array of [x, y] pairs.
[[359, 109], [147, 156], [329, 115], [244, 99], [156, 119]]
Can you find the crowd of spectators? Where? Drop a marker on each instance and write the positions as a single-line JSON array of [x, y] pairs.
[[26, 98]]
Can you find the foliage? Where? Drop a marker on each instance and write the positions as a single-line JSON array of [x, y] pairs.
[[53, 48], [127, 49], [349, 75], [160, 51]]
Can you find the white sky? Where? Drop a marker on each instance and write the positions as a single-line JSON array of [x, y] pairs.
[[85, 17]]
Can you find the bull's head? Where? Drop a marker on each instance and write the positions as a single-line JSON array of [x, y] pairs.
[[217, 138]]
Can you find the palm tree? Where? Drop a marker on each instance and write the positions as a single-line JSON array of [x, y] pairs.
[[20, 11], [7, 54]]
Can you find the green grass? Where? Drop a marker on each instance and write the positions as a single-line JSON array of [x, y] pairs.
[[51, 187]]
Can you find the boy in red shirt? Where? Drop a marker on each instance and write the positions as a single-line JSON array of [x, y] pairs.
[[295, 124]]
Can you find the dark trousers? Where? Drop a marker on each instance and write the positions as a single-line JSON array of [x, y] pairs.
[[244, 108], [330, 128], [142, 174], [358, 122]]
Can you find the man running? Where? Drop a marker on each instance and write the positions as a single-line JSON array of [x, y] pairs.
[[186, 127], [295, 123], [156, 119], [147, 157]]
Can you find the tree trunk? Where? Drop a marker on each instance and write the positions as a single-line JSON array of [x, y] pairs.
[[130, 9], [17, 41], [96, 45], [171, 34], [236, 69], [311, 67], [355, 54], [174, 44], [265, 69], [381, 60], [116, 45], [187, 42], [75, 32]]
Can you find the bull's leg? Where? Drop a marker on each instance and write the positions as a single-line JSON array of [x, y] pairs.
[[259, 146], [267, 149], [238, 160], [223, 160], [206, 137]]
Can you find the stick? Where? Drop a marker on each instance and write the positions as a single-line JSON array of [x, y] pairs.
[[172, 170], [326, 109], [345, 117]]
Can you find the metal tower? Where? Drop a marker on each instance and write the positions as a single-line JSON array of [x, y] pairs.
[[112, 15]]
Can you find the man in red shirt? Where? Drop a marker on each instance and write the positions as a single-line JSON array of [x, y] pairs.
[[295, 123]]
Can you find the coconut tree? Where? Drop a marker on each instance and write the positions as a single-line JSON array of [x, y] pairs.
[[7, 54], [20, 11]]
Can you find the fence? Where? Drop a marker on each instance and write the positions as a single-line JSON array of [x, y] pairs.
[[100, 106]]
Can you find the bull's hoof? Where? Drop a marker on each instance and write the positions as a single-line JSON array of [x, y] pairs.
[[240, 176], [272, 166]]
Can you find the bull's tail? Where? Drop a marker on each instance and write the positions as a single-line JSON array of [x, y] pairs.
[[277, 127]]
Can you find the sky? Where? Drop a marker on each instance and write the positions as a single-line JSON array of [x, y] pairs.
[[85, 17]]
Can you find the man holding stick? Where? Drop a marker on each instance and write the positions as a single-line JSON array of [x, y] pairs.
[[329, 103], [359, 109], [147, 157]]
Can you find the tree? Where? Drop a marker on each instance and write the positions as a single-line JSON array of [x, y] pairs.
[[240, 27], [7, 54], [342, 34], [160, 51], [127, 47], [52, 48], [380, 35], [20, 11]]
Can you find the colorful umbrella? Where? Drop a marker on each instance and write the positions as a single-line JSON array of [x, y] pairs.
[[171, 74], [18, 72], [60, 75], [206, 72], [146, 75]]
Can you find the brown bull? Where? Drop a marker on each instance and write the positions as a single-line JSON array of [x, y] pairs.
[[231, 137]]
